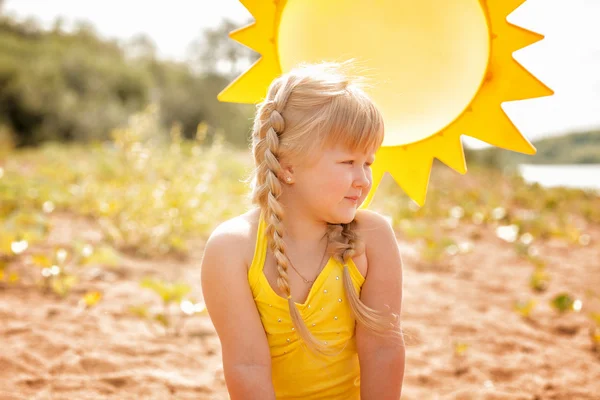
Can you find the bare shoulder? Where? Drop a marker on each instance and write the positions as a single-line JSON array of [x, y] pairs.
[[234, 228], [236, 233], [374, 227], [381, 246], [225, 256]]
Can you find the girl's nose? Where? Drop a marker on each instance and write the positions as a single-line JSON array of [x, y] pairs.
[[363, 179]]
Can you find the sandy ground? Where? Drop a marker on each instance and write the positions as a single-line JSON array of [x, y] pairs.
[[51, 349]]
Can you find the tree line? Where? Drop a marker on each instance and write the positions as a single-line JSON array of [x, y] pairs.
[[76, 86], [569, 148]]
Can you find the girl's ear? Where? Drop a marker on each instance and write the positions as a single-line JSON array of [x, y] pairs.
[[287, 171], [287, 168], [289, 174]]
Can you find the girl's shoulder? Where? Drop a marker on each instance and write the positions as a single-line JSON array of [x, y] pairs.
[[377, 234], [241, 232], [371, 225]]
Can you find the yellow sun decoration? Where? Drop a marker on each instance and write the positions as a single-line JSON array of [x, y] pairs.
[[443, 70]]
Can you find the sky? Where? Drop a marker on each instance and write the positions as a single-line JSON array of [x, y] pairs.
[[567, 60]]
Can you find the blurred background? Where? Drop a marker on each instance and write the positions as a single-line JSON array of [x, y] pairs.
[[117, 161]]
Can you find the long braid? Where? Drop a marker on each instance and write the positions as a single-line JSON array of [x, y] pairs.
[[271, 124], [347, 244]]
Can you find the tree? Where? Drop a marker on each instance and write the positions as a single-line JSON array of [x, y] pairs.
[[214, 51], [63, 86], [140, 46]]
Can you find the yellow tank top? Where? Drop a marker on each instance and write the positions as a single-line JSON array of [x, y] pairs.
[[297, 372]]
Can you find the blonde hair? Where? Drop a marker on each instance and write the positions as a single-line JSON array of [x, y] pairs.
[[312, 107]]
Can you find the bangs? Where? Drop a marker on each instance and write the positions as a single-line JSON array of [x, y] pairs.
[[353, 122]]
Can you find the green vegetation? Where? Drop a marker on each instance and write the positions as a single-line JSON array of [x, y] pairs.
[[172, 295], [487, 197], [146, 197], [58, 86], [573, 148]]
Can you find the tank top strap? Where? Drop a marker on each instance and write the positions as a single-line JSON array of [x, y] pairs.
[[260, 254]]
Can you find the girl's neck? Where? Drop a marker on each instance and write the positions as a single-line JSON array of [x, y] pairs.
[[303, 230]]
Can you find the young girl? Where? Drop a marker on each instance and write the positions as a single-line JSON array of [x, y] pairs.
[[305, 290]]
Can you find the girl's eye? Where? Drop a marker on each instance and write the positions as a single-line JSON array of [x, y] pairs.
[[368, 164]]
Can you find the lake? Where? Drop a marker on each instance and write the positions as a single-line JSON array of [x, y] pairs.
[[583, 176]]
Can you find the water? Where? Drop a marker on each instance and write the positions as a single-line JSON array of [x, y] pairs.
[[582, 176]]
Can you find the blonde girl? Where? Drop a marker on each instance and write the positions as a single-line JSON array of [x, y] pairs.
[[305, 289]]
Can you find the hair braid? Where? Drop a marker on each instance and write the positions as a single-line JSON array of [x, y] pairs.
[[270, 125], [346, 244]]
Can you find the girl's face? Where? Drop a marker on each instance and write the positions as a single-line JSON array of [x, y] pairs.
[[327, 185]]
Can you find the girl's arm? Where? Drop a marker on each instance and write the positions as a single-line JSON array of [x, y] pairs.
[[230, 305], [382, 360]]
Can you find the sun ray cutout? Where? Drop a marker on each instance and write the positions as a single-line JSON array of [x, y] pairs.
[[409, 164]]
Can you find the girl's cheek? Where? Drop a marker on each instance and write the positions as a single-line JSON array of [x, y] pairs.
[[341, 177], [364, 194], [366, 190]]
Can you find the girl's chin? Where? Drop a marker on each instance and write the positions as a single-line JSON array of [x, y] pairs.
[[348, 216], [342, 215]]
